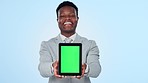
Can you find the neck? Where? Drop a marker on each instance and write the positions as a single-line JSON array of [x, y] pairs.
[[68, 34]]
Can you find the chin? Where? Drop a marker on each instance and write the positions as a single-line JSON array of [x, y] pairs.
[[69, 31]]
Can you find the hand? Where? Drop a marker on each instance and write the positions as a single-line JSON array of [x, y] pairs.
[[55, 68], [83, 71]]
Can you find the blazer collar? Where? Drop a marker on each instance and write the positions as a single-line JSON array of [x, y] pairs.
[[59, 40], [77, 39]]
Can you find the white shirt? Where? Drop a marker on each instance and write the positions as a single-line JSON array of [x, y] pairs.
[[71, 37]]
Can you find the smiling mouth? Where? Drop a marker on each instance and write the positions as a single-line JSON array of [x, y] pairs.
[[67, 23]]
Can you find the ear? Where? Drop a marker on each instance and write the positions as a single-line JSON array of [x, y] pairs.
[[57, 20], [77, 18]]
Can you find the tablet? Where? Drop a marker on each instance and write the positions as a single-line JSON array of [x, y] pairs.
[[70, 59]]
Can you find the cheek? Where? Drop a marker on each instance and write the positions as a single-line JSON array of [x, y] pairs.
[[60, 21], [75, 21]]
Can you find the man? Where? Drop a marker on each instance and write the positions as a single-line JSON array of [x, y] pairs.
[[67, 18]]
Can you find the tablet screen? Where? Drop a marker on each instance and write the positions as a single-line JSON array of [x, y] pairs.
[[70, 58]]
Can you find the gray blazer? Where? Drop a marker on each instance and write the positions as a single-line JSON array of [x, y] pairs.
[[49, 54]]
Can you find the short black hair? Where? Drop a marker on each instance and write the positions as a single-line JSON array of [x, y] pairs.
[[67, 3]]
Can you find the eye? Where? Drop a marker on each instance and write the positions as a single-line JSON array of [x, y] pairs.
[[62, 16], [72, 15], [65, 16]]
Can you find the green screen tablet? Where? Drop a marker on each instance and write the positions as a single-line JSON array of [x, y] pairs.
[[70, 55]]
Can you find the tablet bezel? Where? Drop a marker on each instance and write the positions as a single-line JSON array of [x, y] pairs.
[[80, 59]]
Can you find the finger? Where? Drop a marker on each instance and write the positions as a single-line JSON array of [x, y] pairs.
[[57, 62], [56, 65], [72, 76], [56, 73], [63, 76], [58, 76], [83, 71], [78, 77], [84, 65]]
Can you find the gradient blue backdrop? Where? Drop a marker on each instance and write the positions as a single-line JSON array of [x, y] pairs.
[[120, 28]]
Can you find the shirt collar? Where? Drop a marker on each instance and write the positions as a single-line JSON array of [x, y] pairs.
[[71, 37]]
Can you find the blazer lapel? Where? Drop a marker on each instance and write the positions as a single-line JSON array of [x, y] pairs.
[[77, 39], [58, 39]]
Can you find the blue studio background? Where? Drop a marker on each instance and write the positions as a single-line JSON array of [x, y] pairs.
[[120, 28]]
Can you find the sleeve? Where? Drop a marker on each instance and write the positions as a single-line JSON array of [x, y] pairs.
[[45, 64], [93, 64], [86, 70]]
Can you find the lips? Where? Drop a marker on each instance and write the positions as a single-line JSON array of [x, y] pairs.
[[67, 23]]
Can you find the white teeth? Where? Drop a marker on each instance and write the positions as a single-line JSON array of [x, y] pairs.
[[67, 23]]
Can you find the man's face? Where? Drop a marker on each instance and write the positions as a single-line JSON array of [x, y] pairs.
[[67, 19]]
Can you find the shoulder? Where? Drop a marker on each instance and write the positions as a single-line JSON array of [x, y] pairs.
[[88, 41], [88, 45], [49, 42]]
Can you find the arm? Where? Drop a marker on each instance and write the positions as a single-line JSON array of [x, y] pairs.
[[93, 64], [45, 65]]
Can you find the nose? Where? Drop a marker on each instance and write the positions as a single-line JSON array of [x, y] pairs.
[[67, 17]]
